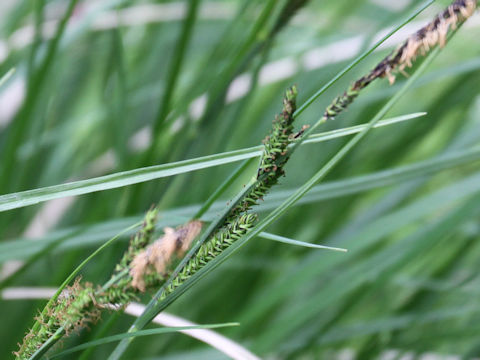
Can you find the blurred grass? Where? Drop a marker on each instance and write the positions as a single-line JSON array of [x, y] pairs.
[[409, 280]]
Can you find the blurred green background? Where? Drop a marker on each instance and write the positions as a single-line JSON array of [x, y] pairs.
[[407, 212]]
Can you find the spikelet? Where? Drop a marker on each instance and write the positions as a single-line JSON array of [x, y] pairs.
[[433, 34], [74, 309], [239, 221], [220, 241], [419, 44], [274, 155]]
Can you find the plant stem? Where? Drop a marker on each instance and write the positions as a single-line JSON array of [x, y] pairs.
[[173, 74], [221, 189]]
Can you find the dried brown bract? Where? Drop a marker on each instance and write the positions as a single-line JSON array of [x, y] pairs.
[[186, 234], [156, 257]]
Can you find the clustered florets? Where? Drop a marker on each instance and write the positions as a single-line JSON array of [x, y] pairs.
[[274, 157], [213, 247], [74, 309], [239, 221]]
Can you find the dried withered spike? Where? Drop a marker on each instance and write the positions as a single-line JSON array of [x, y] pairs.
[[157, 257], [434, 33], [187, 233]]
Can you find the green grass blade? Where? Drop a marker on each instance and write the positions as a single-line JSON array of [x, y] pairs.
[[118, 337], [174, 72], [335, 134], [21, 248], [285, 240], [7, 76], [121, 179], [113, 181]]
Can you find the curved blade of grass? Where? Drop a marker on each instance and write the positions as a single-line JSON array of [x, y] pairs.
[[121, 179], [22, 248], [174, 72], [155, 306], [30, 197], [7, 76], [114, 338], [338, 133], [285, 240], [34, 87]]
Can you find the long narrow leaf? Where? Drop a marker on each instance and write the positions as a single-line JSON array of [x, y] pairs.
[[21, 248], [7, 76], [121, 179], [118, 337], [288, 241]]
